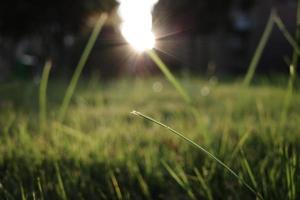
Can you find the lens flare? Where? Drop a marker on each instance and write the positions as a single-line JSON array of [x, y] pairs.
[[136, 24]]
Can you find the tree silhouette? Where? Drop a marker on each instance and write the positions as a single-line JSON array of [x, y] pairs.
[[19, 18]]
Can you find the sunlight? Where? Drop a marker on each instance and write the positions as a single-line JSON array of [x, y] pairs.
[[136, 24]]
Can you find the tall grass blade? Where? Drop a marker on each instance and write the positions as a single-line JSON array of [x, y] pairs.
[[247, 167], [80, 66], [200, 148], [278, 21], [259, 50], [61, 187], [293, 74], [33, 196], [203, 184], [143, 185], [40, 188], [116, 186], [287, 98], [171, 78], [23, 196], [181, 179], [240, 144], [43, 95], [290, 169]]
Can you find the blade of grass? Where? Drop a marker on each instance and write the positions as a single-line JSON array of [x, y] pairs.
[[61, 187], [240, 144], [40, 188], [290, 169], [83, 59], [203, 184], [181, 179], [143, 185], [278, 21], [171, 78], [200, 148], [116, 186], [176, 84], [293, 74], [247, 167], [287, 98], [33, 196], [259, 50], [23, 196], [43, 95]]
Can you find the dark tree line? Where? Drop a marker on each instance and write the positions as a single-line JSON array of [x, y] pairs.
[[206, 24], [197, 16], [23, 17], [51, 21], [39, 29]]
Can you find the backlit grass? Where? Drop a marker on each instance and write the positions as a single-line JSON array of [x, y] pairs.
[[101, 151]]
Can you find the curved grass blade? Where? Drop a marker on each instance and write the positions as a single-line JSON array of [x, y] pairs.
[[202, 149]]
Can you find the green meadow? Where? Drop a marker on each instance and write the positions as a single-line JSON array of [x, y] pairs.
[[102, 151]]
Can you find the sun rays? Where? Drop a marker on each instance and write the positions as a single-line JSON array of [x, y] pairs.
[[136, 26]]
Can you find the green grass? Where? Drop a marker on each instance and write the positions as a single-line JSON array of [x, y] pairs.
[[101, 151]]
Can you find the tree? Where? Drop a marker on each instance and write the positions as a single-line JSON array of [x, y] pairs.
[[19, 18], [206, 21], [45, 24]]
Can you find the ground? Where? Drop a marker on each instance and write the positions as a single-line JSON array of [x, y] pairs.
[[101, 151]]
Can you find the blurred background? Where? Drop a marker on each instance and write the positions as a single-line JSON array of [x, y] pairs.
[[201, 37]]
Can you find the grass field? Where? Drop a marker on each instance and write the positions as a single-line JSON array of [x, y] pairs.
[[101, 151]]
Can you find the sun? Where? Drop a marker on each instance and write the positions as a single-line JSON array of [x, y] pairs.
[[141, 40], [136, 24]]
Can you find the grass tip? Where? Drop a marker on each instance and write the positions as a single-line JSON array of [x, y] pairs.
[[135, 113]]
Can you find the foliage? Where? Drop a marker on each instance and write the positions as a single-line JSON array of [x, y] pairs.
[[197, 16], [19, 18]]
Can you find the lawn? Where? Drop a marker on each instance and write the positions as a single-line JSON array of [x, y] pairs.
[[101, 151]]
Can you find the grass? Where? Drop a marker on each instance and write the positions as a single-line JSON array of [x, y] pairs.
[[89, 148], [43, 94], [201, 149], [103, 152]]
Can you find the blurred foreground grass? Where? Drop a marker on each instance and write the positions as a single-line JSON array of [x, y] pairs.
[[103, 152]]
